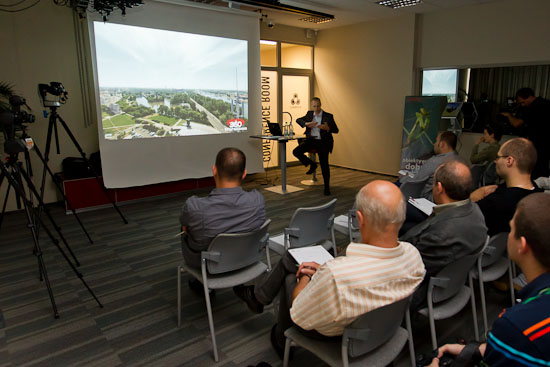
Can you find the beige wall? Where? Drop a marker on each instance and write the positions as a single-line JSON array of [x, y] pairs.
[[285, 33], [511, 32], [362, 74], [38, 46]]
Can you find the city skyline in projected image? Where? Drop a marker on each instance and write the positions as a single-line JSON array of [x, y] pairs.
[[157, 83]]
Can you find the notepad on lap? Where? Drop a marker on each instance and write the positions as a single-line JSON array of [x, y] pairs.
[[422, 204], [317, 254]]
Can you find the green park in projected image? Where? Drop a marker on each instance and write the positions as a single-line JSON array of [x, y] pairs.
[[134, 113]]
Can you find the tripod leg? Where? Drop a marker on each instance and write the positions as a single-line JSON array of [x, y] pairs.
[[75, 142], [41, 203], [18, 187], [54, 240], [60, 190], [5, 199]]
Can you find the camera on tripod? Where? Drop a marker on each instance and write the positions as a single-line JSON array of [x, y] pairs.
[[57, 90], [11, 122]]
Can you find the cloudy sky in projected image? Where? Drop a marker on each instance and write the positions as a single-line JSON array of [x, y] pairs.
[[439, 82], [138, 57]]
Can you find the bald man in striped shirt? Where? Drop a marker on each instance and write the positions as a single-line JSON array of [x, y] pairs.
[[323, 300]]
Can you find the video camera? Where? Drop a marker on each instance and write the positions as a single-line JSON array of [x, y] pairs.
[[12, 121], [57, 90]]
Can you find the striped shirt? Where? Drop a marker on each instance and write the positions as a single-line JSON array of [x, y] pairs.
[[343, 289]]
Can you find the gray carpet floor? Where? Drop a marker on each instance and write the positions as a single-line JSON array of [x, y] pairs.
[[132, 270]]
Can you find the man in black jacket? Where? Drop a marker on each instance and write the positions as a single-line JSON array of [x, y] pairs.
[[319, 126]]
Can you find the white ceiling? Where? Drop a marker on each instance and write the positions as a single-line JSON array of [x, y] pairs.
[[348, 12]]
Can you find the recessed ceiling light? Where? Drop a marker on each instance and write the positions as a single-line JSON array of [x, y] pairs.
[[266, 42], [396, 4], [317, 20]]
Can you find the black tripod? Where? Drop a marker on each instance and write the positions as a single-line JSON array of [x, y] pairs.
[[14, 172], [52, 127], [24, 137]]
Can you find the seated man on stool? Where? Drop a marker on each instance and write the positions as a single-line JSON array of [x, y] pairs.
[[323, 299], [227, 209], [319, 126], [521, 334]]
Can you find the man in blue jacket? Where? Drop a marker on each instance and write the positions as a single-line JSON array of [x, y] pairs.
[[521, 334]]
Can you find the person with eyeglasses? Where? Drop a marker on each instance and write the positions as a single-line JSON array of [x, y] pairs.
[[514, 163]]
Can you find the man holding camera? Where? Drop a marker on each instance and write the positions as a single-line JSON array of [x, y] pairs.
[[535, 117]]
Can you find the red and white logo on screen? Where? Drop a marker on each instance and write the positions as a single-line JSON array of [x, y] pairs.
[[235, 123]]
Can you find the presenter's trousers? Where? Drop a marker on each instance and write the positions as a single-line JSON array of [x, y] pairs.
[[322, 152]]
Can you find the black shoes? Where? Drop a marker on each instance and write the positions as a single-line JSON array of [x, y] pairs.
[[327, 191], [312, 168], [246, 293], [198, 288]]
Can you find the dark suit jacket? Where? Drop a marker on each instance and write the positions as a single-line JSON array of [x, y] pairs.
[[444, 238], [326, 136]]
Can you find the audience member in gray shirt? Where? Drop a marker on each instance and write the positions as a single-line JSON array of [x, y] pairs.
[[444, 149], [227, 209]]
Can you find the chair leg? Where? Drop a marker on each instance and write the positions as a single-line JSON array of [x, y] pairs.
[[179, 295], [511, 281], [474, 311], [432, 332], [287, 352], [209, 311], [483, 303], [411, 341], [268, 258]]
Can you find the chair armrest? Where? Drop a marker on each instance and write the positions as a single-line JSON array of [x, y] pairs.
[[330, 222], [264, 241], [440, 282], [211, 255], [294, 232], [360, 334], [489, 250]]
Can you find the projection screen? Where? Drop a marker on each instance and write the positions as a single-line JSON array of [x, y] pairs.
[[174, 84]]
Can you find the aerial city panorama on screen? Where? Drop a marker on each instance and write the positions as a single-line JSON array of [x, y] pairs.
[[156, 83]]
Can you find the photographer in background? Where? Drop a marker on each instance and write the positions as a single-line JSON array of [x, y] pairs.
[[535, 117]]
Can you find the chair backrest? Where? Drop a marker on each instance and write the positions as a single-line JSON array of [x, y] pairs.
[[413, 189], [233, 251], [490, 176], [477, 173], [451, 278], [311, 225], [374, 328], [353, 225], [495, 249]]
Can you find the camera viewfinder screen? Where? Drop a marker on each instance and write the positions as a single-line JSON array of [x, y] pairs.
[[155, 83]]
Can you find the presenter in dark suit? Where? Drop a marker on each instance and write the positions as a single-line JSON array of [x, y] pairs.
[[319, 126]]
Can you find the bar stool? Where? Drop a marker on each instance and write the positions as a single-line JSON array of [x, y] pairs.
[[313, 181]]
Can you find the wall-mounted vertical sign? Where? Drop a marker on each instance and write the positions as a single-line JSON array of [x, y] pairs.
[[269, 113]]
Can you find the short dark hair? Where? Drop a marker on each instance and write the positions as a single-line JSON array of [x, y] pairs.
[[456, 179], [448, 137], [495, 129], [230, 163], [525, 93], [532, 221], [316, 99], [523, 151]]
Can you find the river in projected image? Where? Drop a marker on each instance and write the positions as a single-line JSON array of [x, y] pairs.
[[156, 83]]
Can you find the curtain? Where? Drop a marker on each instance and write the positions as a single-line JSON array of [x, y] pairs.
[[503, 82]]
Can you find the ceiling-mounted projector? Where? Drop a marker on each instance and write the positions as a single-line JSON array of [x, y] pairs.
[[276, 5]]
